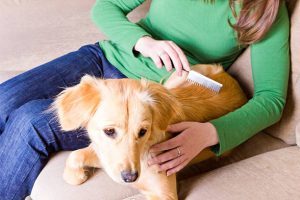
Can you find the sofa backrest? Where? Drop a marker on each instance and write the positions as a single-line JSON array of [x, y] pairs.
[[139, 12], [285, 129]]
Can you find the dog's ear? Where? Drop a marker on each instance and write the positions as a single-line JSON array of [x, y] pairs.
[[166, 108], [75, 105]]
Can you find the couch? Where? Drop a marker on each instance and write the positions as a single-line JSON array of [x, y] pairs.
[[267, 166]]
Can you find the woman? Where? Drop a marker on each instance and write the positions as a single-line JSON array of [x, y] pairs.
[[174, 34]]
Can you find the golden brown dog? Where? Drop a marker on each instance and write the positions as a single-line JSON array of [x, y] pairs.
[[125, 117]]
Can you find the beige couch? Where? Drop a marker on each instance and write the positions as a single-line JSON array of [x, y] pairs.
[[265, 167]]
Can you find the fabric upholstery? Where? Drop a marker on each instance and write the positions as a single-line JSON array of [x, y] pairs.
[[50, 185], [32, 33], [5, 75], [100, 184], [136, 197], [273, 175], [241, 70], [298, 134], [285, 129], [258, 144]]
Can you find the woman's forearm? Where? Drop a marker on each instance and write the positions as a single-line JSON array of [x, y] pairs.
[[110, 18]]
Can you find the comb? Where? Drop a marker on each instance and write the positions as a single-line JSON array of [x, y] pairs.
[[199, 79]]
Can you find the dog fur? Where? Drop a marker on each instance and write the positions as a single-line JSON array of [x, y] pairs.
[[125, 107]]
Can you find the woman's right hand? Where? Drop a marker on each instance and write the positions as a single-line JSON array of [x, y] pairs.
[[163, 51]]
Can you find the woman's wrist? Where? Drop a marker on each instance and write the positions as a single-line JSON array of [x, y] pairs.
[[213, 137]]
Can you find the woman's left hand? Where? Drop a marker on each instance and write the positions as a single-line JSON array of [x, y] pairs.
[[175, 153]]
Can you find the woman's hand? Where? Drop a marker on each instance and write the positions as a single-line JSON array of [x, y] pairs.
[[176, 153], [163, 50]]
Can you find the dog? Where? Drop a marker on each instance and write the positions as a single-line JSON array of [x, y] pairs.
[[125, 117]]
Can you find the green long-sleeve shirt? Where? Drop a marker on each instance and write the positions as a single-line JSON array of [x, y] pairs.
[[202, 31]]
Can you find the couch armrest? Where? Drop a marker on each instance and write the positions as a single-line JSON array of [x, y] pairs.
[[272, 175]]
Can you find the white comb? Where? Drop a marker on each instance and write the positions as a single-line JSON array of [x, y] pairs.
[[199, 79]]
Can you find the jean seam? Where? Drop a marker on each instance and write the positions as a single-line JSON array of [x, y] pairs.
[[51, 128], [44, 140]]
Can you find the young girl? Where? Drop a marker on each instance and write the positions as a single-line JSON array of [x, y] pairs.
[[174, 34]]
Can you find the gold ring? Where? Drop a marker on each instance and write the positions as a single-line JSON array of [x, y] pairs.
[[178, 152]]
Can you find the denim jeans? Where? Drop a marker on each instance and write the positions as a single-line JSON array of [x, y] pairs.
[[28, 136]]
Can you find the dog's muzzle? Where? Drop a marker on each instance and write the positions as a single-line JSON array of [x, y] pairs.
[[129, 176]]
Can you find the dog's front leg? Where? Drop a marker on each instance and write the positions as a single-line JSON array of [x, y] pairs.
[[157, 185], [78, 162]]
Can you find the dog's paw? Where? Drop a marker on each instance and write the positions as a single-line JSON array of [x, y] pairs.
[[75, 176]]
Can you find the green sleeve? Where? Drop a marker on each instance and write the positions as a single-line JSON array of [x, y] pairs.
[[270, 70], [110, 17]]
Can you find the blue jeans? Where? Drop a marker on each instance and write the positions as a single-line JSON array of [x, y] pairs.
[[28, 136]]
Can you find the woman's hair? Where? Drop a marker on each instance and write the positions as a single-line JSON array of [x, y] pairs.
[[254, 20]]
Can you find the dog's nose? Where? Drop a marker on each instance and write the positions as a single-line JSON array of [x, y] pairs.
[[129, 176]]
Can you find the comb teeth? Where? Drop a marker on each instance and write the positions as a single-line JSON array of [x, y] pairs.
[[201, 80]]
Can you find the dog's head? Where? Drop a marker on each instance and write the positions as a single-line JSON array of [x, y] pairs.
[[122, 117]]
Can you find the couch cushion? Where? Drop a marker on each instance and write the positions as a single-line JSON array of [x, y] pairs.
[[272, 175], [241, 69], [285, 129], [256, 145], [34, 32], [97, 187], [136, 197], [50, 184]]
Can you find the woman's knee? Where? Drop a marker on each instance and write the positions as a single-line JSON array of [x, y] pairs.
[[8, 103], [39, 127], [29, 124], [13, 94], [30, 111]]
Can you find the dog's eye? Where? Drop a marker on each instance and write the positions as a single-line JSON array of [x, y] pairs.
[[110, 132], [142, 132]]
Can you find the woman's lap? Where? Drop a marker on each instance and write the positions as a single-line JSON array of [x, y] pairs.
[[29, 134]]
